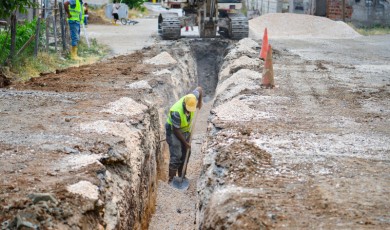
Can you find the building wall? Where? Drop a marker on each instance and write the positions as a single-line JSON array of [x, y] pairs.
[[302, 6], [371, 13], [320, 8], [335, 9], [359, 12], [271, 6], [264, 6]]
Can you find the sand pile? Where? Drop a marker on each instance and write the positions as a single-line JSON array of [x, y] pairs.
[[163, 58], [286, 25]]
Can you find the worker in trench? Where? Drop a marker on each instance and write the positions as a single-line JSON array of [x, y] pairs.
[[178, 128]]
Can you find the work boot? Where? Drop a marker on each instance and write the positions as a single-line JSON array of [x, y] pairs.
[[171, 174], [73, 54]]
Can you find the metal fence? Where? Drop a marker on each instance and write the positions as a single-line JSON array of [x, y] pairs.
[[56, 37]]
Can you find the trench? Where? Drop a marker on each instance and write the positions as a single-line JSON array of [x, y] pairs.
[[176, 209]]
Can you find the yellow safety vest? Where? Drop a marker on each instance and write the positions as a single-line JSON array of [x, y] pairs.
[[82, 16], [75, 12], [185, 125]]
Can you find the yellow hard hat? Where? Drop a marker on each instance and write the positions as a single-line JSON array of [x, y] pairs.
[[190, 102]]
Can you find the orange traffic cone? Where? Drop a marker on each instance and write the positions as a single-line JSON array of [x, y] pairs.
[[264, 46], [268, 71]]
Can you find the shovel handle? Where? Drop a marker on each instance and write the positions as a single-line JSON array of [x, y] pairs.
[[188, 150]]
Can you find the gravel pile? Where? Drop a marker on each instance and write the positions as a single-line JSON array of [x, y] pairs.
[[163, 58], [139, 85], [162, 72], [286, 25], [86, 189], [243, 79], [125, 106]]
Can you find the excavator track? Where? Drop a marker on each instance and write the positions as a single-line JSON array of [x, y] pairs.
[[169, 26], [239, 27]]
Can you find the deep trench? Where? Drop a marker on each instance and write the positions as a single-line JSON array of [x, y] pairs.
[[207, 58]]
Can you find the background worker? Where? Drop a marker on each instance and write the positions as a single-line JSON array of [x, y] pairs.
[[85, 8], [73, 9], [178, 129], [115, 11]]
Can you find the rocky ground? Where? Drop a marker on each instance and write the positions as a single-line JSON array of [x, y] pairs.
[[83, 148], [311, 153], [86, 137]]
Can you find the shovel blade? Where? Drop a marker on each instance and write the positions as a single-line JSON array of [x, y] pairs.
[[179, 183]]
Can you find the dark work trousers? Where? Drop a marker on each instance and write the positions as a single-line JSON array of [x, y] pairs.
[[177, 151]]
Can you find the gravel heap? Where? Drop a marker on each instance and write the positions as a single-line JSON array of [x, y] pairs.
[[139, 85], [286, 25], [125, 106], [163, 58]]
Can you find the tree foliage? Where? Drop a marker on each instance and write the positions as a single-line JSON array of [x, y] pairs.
[[133, 3], [7, 7], [23, 33]]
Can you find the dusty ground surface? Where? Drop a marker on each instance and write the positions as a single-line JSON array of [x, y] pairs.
[[45, 149], [125, 39], [311, 153]]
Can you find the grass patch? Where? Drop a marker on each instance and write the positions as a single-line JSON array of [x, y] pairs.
[[27, 66], [93, 50], [374, 30], [30, 66]]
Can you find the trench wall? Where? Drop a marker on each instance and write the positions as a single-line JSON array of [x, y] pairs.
[[286, 158], [135, 165], [219, 203]]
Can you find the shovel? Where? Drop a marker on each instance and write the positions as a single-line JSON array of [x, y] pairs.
[[181, 182]]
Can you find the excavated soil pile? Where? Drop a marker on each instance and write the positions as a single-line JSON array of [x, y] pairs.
[[311, 153], [286, 25], [80, 148], [95, 18]]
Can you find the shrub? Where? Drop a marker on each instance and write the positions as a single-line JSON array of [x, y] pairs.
[[23, 34]]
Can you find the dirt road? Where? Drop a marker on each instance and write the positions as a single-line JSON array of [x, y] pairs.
[[125, 39]]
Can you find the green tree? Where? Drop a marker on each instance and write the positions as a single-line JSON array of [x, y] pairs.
[[8, 7], [133, 3]]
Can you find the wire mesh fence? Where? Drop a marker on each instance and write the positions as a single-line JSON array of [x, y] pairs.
[[49, 34]]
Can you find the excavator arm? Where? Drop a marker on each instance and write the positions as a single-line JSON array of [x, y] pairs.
[[207, 16], [211, 14]]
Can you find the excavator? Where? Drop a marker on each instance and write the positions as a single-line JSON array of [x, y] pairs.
[[208, 15]]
